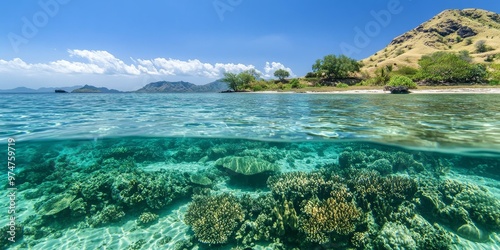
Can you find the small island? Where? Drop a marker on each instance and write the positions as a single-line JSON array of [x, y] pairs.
[[92, 89], [60, 91]]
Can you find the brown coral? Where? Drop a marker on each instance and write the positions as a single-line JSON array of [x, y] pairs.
[[334, 215], [214, 218], [297, 186]]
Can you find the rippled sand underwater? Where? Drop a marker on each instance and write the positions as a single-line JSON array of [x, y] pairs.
[[216, 193]]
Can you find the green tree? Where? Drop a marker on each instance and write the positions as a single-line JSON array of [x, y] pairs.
[[238, 82], [399, 80], [494, 74], [445, 67], [232, 81], [336, 67], [281, 74]]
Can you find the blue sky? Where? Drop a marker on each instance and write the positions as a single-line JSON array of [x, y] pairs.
[[127, 44]]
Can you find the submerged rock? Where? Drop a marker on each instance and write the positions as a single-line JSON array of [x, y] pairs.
[[470, 232], [200, 180], [56, 204], [397, 90], [246, 165]]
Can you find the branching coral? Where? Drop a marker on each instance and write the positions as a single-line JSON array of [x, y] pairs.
[[214, 218], [370, 186], [298, 186], [111, 213], [334, 215]]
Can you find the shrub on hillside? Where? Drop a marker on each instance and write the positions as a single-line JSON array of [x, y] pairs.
[[406, 71], [295, 83], [445, 67], [398, 80]]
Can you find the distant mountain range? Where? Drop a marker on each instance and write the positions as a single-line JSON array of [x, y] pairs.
[[183, 87], [40, 90], [92, 89], [154, 87]]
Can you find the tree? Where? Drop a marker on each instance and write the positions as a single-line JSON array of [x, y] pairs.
[[232, 80], [281, 74], [398, 80], [237, 82], [336, 67], [445, 67]]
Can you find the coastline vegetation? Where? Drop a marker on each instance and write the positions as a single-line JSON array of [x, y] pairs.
[[334, 72]]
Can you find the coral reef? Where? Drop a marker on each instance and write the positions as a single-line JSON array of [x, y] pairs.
[[298, 186], [267, 219], [214, 218], [481, 206], [6, 233], [146, 218], [334, 215], [110, 213], [395, 236], [77, 207], [383, 166], [359, 196], [382, 161]]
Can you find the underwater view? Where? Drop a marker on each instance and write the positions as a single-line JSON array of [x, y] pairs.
[[250, 171]]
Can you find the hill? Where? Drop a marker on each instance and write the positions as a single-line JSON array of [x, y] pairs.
[[92, 89], [40, 90], [450, 30], [182, 87]]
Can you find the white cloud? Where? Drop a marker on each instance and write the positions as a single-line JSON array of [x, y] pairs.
[[270, 68], [106, 61], [96, 62], [14, 64]]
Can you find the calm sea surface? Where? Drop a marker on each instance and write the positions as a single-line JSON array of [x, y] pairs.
[[431, 121]]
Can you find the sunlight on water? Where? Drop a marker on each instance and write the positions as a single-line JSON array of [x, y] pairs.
[[444, 121]]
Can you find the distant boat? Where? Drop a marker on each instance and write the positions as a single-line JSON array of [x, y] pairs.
[[60, 91]]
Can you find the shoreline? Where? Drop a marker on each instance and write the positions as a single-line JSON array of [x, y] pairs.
[[458, 90]]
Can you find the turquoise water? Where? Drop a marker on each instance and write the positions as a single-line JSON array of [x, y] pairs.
[[431, 121], [251, 171]]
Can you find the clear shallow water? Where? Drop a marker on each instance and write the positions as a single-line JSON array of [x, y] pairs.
[[431, 121], [120, 171]]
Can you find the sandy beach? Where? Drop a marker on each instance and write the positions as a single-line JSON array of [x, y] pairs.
[[381, 91]]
